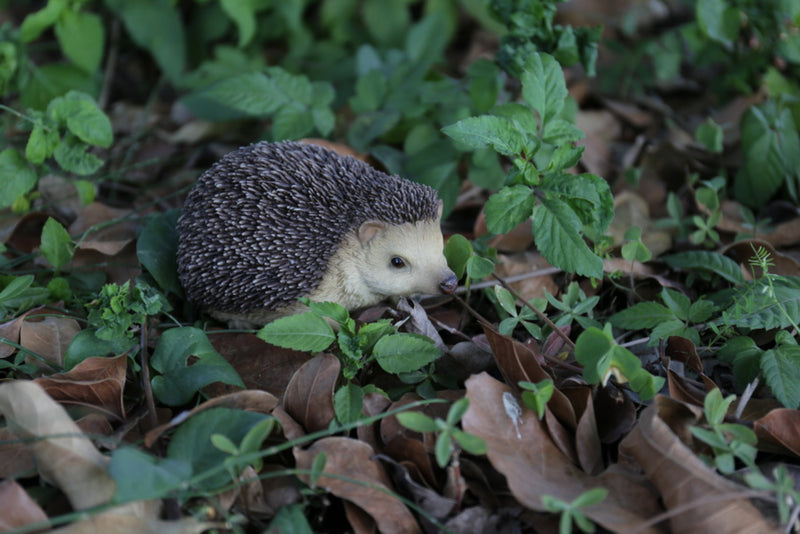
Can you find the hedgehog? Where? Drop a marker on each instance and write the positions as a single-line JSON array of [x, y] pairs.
[[272, 222]]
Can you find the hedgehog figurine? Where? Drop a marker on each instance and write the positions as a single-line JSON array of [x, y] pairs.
[[272, 222]]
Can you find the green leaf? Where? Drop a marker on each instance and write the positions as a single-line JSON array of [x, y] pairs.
[[443, 449], [156, 26], [643, 315], [242, 13], [771, 151], [155, 477], [418, 422], [71, 154], [292, 121], [37, 22], [488, 130], [335, 311], [369, 126], [709, 134], [479, 267], [87, 345], [509, 207], [718, 20], [57, 246], [16, 176], [543, 86], [248, 94], [677, 302], [156, 249], [83, 118], [558, 236], [426, 40], [191, 442], [484, 84], [781, 368], [745, 356], [706, 261], [348, 402], [291, 518], [41, 143], [403, 353], [756, 306], [470, 443], [306, 331], [457, 251], [82, 38], [181, 379]]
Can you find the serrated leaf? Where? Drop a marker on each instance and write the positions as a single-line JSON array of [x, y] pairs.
[[403, 353], [707, 261], [756, 307], [427, 38], [307, 332], [543, 86], [82, 38], [79, 112], [251, 93], [41, 143], [72, 156], [292, 121], [509, 207], [718, 19], [673, 328], [781, 368], [179, 380], [487, 130], [348, 402], [586, 194], [16, 176], [642, 315], [57, 246], [558, 236]]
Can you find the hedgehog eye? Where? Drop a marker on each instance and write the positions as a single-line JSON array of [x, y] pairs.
[[397, 262]]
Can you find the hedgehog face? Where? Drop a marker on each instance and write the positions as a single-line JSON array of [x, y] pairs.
[[404, 259]]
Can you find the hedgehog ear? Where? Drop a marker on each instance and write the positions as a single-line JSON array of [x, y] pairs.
[[368, 230], [440, 209]]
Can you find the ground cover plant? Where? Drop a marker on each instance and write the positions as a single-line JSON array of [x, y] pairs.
[[621, 190]]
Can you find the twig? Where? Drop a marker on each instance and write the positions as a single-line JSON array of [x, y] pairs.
[[152, 417], [511, 279]]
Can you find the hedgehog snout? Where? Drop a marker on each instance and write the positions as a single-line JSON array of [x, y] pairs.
[[449, 284]]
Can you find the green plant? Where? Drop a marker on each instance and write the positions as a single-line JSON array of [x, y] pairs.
[[634, 249], [462, 258], [378, 342], [574, 306], [782, 484], [728, 441], [603, 358], [250, 443], [449, 434], [571, 511], [539, 141], [536, 395], [525, 316]]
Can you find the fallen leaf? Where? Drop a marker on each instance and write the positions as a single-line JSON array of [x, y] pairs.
[[18, 508], [522, 451], [780, 428], [363, 481], [700, 499], [309, 394], [108, 239]]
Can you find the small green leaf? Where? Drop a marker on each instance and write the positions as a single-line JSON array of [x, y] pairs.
[[709, 134], [677, 302], [718, 19], [71, 154], [479, 267], [457, 251], [470, 443], [543, 86], [506, 300], [306, 331], [155, 478], [41, 143], [57, 246], [317, 468], [348, 402], [16, 176], [35, 23], [224, 444], [243, 15], [707, 261], [642, 315], [418, 422], [443, 449], [558, 235], [403, 353], [781, 368]]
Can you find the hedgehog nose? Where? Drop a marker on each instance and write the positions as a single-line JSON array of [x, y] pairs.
[[449, 284]]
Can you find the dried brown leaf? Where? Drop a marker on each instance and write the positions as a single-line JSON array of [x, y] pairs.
[[533, 466], [18, 508], [309, 395], [367, 485], [780, 428], [702, 500], [107, 239]]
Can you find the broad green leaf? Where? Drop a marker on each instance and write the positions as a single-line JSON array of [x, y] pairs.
[[558, 236], [781, 368], [155, 478], [292, 121], [57, 246], [506, 300], [87, 345], [771, 151], [369, 126], [371, 89], [718, 20], [35, 23], [509, 207], [745, 356], [587, 194], [674, 327], [156, 248], [156, 26], [403, 353], [426, 40], [543, 86], [484, 84], [643, 315], [488, 130], [248, 94], [242, 13], [386, 20], [82, 38], [41, 143], [179, 379], [348, 402], [335, 311], [306, 331], [470, 443], [479, 267], [709, 134], [707, 261], [291, 518], [677, 302], [191, 442], [16, 176], [457, 251]]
